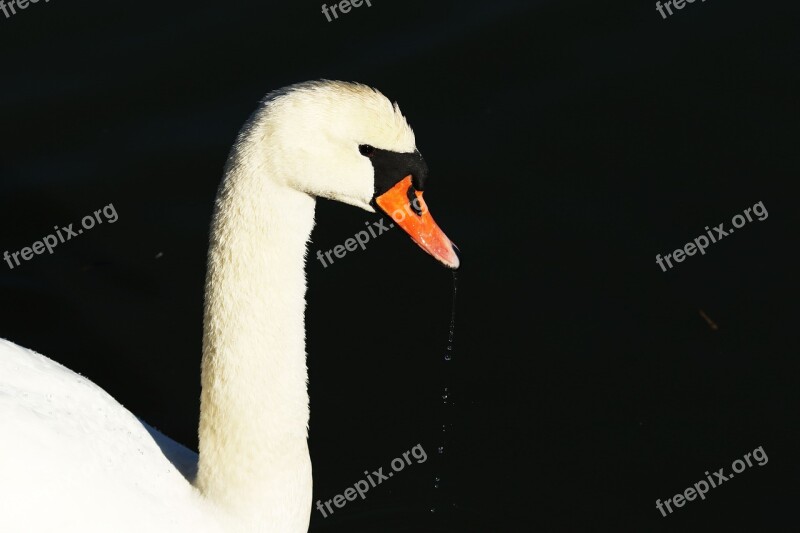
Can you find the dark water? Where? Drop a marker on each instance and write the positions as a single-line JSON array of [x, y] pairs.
[[569, 143]]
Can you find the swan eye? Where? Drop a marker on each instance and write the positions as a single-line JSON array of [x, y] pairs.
[[366, 150]]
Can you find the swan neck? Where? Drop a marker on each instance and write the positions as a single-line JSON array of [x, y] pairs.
[[254, 404]]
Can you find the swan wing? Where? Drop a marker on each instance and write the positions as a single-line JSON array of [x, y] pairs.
[[73, 459]]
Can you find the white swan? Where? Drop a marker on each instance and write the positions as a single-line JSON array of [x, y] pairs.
[[74, 460]]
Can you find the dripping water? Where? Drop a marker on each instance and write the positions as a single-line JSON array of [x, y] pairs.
[[442, 480]]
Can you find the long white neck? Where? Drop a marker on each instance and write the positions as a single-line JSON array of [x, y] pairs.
[[254, 459]]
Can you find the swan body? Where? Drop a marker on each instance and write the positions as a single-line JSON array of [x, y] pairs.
[[74, 460]]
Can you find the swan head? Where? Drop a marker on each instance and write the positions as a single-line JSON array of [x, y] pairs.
[[347, 142]]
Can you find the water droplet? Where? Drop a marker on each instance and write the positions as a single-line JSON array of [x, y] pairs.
[[447, 357], [433, 509]]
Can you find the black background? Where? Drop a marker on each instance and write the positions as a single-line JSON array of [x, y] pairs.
[[569, 143]]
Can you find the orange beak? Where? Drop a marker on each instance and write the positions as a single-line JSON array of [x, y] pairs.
[[409, 211]]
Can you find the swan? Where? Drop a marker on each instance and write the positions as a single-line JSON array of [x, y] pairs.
[[72, 459]]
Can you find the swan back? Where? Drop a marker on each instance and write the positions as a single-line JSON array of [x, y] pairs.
[[65, 444]]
